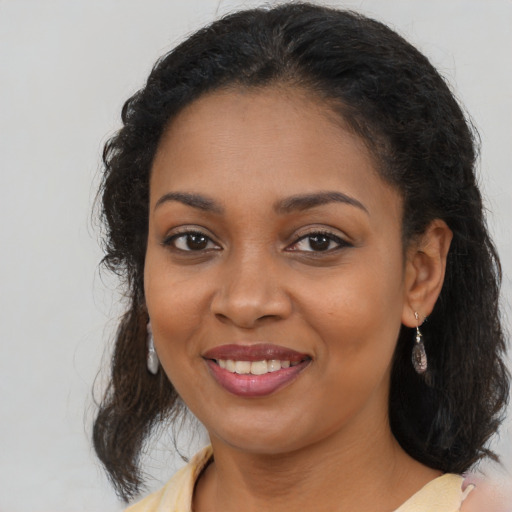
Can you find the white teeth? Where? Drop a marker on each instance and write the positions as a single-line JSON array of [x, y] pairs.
[[273, 365], [242, 367], [259, 367], [254, 367]]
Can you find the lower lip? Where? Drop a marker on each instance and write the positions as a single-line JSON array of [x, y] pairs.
[[248, 385]]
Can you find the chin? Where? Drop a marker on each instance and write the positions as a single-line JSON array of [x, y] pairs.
[[270, 437], [258, 437]]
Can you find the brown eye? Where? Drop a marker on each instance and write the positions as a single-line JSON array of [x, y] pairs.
[[319, 242], [191, 242], [196, 242]]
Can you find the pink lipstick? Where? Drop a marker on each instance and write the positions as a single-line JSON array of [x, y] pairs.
[[254, 370]]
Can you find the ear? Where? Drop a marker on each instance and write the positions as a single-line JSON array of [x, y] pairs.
[[424, 272]]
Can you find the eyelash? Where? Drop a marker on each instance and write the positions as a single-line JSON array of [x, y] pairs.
[[170, 241], [328, 236]]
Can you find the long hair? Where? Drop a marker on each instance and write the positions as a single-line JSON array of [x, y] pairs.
[[388, 93]]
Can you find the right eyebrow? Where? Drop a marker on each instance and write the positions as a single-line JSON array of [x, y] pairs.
[[306, 201], [194, 200]]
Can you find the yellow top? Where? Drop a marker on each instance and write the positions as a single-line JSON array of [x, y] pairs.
[[443, 494]]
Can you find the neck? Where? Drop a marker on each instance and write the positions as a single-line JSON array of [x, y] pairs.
[[351, 470]]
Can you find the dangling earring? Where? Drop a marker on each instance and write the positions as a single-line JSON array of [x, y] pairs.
[[419, 356], [152, 360]]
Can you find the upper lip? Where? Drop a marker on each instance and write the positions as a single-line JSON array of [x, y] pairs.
[[255, 352]]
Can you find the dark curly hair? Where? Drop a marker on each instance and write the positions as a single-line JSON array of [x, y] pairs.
[[391, 96]]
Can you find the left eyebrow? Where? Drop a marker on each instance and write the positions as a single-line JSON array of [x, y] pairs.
[[194, 200], [306, 201]]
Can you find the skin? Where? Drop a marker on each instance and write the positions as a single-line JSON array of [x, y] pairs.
[[259, 279]]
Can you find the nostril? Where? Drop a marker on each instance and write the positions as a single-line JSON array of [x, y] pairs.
[[245, 321], [220, 316], [246, 304]]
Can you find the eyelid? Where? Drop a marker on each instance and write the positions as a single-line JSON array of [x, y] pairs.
[[182, 231], [335, 237]]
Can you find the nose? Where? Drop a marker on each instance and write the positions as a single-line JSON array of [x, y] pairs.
[[251, 291]]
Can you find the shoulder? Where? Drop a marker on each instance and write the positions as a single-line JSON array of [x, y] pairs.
[[176, 494], [444, 493], [493, 494]]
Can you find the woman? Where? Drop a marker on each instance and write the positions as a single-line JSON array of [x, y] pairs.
[[291, 197]]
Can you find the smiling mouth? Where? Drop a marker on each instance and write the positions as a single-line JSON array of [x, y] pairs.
[[255, 370], [255, 367]]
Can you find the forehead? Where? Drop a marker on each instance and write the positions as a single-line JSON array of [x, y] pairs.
[[271, 142]]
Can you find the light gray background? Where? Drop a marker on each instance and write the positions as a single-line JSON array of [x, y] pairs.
[[65, 70]]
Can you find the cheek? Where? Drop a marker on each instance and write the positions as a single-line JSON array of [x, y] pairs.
[[174, 312], [358, 315], [175, 307], [364, 294]]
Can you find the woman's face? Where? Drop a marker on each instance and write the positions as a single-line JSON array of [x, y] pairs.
[[274, 273]]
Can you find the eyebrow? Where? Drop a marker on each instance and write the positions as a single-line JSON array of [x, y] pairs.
[[288, 205], [195, 200], [306, 201]]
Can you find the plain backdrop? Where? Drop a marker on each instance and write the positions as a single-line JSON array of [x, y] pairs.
[[66, 68]]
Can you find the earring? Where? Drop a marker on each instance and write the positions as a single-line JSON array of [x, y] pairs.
[[419, 356], [152, 360]]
